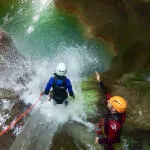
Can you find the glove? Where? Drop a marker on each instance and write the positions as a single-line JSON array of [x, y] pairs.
[[42, 93], [100, 139], [96, 140], [50, 95]]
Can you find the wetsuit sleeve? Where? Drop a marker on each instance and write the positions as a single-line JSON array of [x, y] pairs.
[[49, 85], [69, 87], [105, 90]]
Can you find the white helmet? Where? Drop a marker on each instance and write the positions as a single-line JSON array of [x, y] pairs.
[[61, 69]]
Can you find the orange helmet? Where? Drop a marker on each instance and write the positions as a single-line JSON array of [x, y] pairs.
[[119, 103]]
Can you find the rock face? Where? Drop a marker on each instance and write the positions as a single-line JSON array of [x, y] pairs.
[[7, 94], [73, 136], [13, 67], [125, 24], [7, 101], [12, 72], [136, 91], [10, 108], [8, 51], [5, 40]]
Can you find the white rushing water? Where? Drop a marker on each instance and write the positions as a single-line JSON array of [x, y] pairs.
[[46, 117]]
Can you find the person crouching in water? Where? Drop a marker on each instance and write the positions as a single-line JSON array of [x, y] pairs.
[[108, 129], [60, 85]]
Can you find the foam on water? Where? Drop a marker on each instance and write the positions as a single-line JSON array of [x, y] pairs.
[[46, 112]]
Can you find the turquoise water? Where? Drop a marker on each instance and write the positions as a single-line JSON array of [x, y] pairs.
[[39, 30]]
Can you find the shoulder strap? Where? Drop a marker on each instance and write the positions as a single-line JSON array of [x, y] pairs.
[[54, 81]]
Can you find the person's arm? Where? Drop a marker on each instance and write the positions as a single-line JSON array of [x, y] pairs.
[[69, 87], [103, 87], [48, 86], [105, 90]]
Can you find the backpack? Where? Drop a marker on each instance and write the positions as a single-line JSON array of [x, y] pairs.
[[60, 89]]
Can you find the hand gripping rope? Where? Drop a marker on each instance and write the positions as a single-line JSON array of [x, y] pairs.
[[21, 116]]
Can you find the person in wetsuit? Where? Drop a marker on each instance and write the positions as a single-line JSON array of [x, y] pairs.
[[61, 86], [108, 129]]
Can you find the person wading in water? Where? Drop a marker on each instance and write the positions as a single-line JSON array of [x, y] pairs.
[[60, 85]]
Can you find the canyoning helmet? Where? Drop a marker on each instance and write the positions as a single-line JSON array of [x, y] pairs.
[[118, 103], [61, 69]]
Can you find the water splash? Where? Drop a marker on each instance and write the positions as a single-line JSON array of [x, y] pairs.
[[46, 113]]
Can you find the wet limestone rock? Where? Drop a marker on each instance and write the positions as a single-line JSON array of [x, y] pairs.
[[12, 72], [8, 51], [10, 108], [5, 42], [73, 135], [8, 98], [124, 24], [7, 94], [13, 67]]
